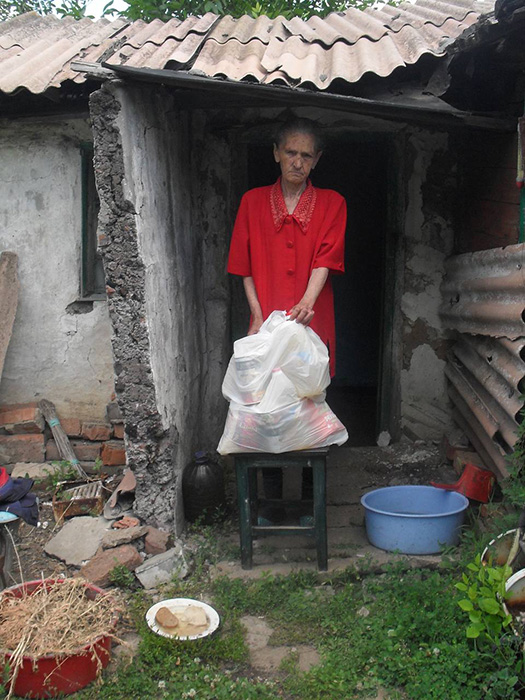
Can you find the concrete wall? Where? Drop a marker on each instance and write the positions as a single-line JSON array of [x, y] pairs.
[[431, 197], [54, 353], [164, 250]]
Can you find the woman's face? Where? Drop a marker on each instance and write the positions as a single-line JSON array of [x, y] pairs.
[[297, 157]]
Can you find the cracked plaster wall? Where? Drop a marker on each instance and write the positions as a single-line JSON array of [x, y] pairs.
[[164, 248], [52, 354], [429, 217]]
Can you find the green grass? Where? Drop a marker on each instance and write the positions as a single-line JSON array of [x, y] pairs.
[[402, 631]]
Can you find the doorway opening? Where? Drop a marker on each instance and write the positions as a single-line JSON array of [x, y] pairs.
[[357, 169]]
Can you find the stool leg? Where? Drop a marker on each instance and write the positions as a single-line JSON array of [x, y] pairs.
[[253, 491], [319, 473], [245, 516]]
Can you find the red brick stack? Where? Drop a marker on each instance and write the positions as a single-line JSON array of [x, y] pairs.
[[25, 437]]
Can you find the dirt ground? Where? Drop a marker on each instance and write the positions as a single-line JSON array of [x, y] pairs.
[[30, 541], [351, 472]]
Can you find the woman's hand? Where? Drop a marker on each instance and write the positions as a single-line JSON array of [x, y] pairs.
[[255, 326], [302, 313]]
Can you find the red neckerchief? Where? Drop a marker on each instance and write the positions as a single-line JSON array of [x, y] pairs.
[[302, 212]]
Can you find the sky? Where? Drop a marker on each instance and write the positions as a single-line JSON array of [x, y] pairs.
[[95, 7]]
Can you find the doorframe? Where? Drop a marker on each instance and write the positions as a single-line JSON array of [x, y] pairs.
[[391, 350]]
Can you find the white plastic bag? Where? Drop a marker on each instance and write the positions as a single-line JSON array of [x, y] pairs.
[[280, 343], [276, 383]]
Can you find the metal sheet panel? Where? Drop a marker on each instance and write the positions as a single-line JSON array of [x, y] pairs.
[[484, 299], [491, 454], [484, 292], [36, 52]]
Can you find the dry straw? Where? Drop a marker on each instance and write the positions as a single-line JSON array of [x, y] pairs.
[[56, 619]]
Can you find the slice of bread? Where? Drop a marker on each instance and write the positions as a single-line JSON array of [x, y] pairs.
[[194, 615], [165, 618]]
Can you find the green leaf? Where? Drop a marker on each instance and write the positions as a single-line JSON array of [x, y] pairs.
[[473, 631], [490, 606], [466, 604]]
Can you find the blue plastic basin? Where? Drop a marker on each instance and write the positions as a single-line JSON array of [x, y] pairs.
[[414, 519]]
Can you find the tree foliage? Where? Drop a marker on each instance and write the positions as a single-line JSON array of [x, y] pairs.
[[164, 10]]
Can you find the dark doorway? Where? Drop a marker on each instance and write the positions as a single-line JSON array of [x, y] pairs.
[[357, 169]]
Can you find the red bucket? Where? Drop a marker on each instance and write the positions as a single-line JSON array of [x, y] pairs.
[[475, 483], [55, 674]]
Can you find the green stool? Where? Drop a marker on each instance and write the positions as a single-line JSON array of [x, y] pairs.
[[246, 465]]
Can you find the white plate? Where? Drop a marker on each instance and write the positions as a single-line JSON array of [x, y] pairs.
[[176, 605], [6, 517]]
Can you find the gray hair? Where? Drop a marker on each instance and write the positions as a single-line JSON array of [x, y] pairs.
[[300, 125]]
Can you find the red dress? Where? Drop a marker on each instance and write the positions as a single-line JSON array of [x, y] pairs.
[[280, 250]]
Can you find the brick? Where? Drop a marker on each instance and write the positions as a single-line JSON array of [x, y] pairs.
[[14, 406], [84, 451], [464, 457], [71, 426], [98, 569], [21, 418], [96, 431], [156, 541], [118, 431], [21, 448], [113, 453]]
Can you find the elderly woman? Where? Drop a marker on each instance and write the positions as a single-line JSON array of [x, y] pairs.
[[289, 237], [287, 240]]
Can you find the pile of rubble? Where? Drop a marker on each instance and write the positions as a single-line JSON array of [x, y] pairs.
[[93, 535], [96, 545]]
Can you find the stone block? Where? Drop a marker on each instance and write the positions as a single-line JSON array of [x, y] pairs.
[[21, 448], [99, 569], [113, 453], [21, 419], [84, 451], [118, 431], [36, 471], [71, 426], [78, 540], [453, 441], [156, 541], [162, 568], [96, 431], [464, 457], [114, 538], [113, 412]]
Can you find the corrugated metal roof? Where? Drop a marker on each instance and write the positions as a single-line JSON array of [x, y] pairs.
[[484, 299], [36, 52]]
